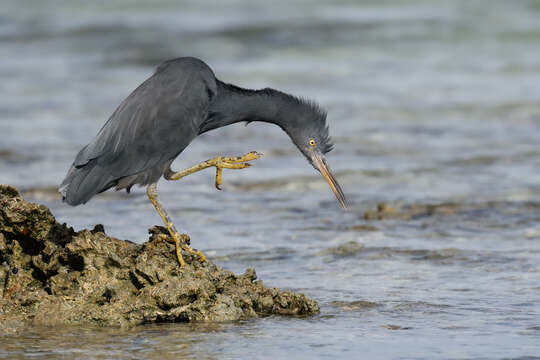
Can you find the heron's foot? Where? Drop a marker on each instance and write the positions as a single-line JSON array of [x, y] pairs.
[[237, 162], [189, 249], [220, 163], [181, 242]]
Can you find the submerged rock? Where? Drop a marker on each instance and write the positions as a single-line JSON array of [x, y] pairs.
[[52, 275], [410, 212]]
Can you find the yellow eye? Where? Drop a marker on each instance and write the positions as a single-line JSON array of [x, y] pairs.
[[312, 142]]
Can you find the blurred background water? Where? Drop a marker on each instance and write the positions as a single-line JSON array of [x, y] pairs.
[[429, 103]]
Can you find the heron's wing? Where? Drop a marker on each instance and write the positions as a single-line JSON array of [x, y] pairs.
[[150, 127], [153, 124]]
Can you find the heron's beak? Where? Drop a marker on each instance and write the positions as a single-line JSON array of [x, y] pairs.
[[320, 163]]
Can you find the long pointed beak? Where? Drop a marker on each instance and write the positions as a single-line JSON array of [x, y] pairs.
[[320, 162]]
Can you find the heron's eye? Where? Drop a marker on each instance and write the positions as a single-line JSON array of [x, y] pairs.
[[312, 142]]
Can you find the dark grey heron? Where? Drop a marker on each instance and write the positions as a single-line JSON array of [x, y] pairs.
[[160, 118]]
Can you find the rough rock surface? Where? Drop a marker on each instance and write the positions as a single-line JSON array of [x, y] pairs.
[[52, 275]]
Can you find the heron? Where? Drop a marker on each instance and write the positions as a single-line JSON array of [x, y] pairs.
[[158, 120]]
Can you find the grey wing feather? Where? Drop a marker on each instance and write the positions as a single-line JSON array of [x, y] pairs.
[[150, 127]]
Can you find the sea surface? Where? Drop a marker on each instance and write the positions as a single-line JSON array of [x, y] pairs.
[[431, 104]]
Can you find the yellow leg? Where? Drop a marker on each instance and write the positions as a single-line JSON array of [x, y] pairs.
[[176, 238], [220, 162]]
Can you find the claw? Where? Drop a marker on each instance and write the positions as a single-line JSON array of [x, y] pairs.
[[218, 177], [253, 155]]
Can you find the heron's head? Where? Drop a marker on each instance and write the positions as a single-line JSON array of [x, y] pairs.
[[309, 132]]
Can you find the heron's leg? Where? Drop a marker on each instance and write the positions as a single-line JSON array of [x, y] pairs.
[[176, 238], [220, 162]]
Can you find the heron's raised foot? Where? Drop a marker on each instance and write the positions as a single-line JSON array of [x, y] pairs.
[[220, 163], [181, 242], [237, 162]]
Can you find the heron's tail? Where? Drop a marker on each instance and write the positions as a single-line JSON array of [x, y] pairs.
[[83, 182]]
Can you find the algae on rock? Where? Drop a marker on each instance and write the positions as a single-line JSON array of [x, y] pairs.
[[52, 275]]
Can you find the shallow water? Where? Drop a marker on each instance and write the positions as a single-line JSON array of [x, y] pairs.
[[429, 103]]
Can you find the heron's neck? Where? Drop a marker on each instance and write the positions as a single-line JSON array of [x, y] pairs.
[[233, 104]]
